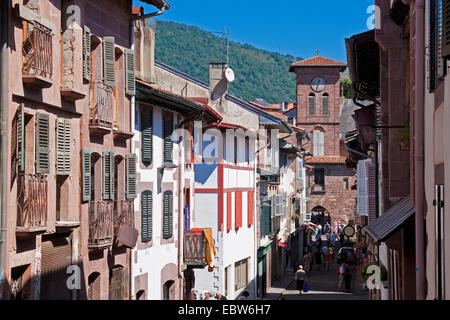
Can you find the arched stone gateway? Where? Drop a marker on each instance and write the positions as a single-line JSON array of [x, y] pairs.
[[320, 215]]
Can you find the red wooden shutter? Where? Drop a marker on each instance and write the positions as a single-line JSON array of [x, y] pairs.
[[238, 210], [229, 212], [250, 208]]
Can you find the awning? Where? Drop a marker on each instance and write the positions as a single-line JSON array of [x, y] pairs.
[[266, 174], [287, 147], [383, 227]]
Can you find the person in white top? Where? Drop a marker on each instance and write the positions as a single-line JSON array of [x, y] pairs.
[[340, 272], [300, 278]]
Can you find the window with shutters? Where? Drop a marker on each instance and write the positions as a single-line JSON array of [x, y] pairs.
[[229, 212], [312, 103], [147, 135], [318, 142], [130, 79], [108, 175], [325, 100], [20, 138], [238, 210], [42, 143], [319, 179], [250, 208], [131, 176], [146, 216], [109, 62], [168, 215], [438, 42], [86, 53], [241, 274], [168, 143], [63, 147], [86, 168]]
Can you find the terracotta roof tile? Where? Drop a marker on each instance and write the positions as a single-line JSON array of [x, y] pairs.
[[317, 61]]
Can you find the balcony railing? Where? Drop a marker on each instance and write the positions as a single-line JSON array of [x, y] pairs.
[[318, 188], [102, 106], [123, 215], [101, 223], [194, 249], [32, 203], [37, 51]]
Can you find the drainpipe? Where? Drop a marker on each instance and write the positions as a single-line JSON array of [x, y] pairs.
[[419, 146], [3, 92], [180, 224]]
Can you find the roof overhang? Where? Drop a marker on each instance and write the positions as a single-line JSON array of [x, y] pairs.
[[363, 58], [148, 93], [393, 219]]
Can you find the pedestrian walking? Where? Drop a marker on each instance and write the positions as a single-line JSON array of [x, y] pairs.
[[327, 261], [300, 278], [318, 259], [335, 225], [328, 238], [220, 296], [347, 278], [341, 239], [340, 273], [307, 263]]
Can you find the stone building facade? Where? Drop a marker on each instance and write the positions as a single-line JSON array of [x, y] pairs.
[[319, 100]]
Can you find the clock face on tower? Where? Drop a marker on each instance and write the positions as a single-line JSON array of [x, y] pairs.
[[318, 84]]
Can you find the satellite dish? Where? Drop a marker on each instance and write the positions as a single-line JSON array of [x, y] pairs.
[[229, 75]]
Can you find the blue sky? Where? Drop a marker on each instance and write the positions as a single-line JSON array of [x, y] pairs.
[[296, 27]]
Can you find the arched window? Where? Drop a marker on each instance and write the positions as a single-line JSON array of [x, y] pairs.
[[325, 99], [318, 142], [312, 103]]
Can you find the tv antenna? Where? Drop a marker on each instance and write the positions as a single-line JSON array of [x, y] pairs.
[[225, 35]]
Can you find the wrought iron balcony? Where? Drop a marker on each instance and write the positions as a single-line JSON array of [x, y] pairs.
[[38, 55], [101, 113], [194, 249], [32, 203], [101, 224]]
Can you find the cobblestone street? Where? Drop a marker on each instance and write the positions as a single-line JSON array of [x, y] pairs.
[[322, 286]]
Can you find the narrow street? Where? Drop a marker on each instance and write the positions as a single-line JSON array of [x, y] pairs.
[[322, 286]]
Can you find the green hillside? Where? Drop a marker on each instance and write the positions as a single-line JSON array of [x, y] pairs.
[[259, 73]]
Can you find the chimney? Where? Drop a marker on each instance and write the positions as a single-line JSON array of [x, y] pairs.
[[144, 48], [218, 84]]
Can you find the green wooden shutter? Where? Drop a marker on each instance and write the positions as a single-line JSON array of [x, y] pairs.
[[86, 174], [446, 28], [62, 147], [109, 62], [86, 53], [42, 144], [146, 216], [168, 143], [147, 135], [168, 215], [442, 63], [21, 138], [131, 176], [108, 175], [130, 84]]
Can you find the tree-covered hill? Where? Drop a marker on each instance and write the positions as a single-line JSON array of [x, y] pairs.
[[259, 73]]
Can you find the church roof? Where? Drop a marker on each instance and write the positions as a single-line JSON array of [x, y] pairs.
[[317, 61]]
